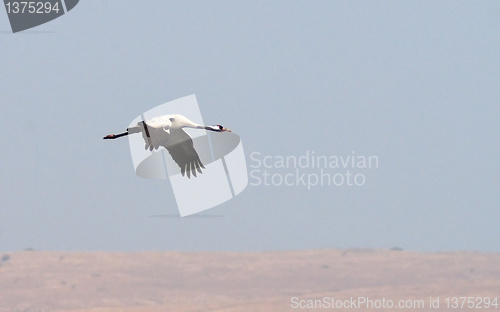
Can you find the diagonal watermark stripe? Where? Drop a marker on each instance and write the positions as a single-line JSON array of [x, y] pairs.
[[28, 14]]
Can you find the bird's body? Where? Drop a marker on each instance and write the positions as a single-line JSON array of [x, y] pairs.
[[163, 130], [167, 131]]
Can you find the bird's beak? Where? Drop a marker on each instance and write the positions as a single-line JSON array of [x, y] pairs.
[[225, 129]]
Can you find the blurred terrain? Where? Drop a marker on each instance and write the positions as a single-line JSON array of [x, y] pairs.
[[232, 281]]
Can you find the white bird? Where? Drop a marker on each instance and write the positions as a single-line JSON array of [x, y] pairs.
[[167, 131]]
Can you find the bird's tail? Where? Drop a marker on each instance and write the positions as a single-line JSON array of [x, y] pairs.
[[133, 130]]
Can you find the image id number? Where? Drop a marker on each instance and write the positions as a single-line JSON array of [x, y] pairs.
[[32, 7]]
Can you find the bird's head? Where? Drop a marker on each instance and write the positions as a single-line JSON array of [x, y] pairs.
[[222, 129], [218, 128]]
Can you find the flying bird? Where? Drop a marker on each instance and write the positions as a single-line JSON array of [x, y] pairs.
[[167, 131]]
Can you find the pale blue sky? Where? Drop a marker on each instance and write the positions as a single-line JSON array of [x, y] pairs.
[[415, 83]]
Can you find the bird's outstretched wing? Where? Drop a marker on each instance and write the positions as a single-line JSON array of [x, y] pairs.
[[154, 136], [177, 142], [184, 154]]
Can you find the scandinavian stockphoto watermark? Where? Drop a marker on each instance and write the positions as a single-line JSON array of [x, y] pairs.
[[28, 14], [385, 304], [360, 302], [311, 169]]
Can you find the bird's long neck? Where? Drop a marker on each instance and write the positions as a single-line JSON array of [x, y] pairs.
[[190, 124], [196, 126], [211, 128]]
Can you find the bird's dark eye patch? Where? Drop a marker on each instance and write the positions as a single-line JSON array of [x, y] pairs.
[[220, 127]]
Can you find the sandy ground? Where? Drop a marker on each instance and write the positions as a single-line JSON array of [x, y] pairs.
[[259, 281]]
